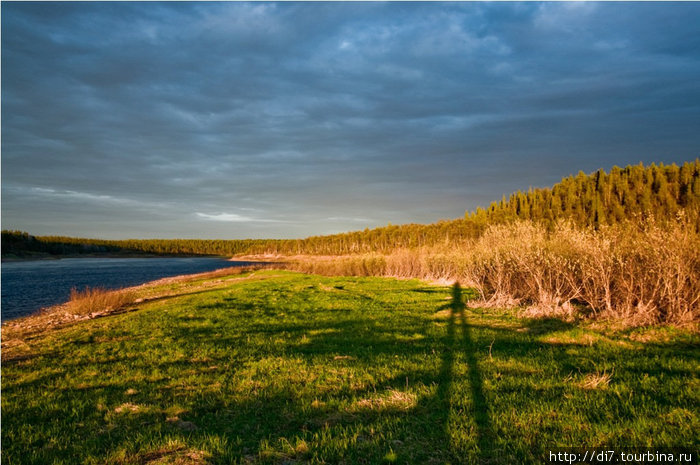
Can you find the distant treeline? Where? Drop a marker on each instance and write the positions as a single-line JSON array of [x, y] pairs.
[[633, 193], [595, 200], [21, 244]]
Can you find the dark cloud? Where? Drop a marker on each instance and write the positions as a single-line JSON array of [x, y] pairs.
[[291, 119]]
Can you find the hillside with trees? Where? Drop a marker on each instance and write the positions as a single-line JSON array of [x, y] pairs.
[[592, 200], [604, 198]]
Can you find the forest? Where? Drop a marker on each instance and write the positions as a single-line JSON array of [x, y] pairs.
[[634, 193]]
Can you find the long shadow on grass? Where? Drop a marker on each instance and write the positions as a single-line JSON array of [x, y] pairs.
[[259, 421], [479, 407]]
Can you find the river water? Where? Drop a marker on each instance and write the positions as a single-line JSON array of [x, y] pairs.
[[30, 285]]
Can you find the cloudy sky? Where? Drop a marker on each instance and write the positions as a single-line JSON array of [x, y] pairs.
[[236, 120]]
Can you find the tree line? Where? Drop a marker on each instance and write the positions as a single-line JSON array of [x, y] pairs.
[[587, 200], [659, 191]]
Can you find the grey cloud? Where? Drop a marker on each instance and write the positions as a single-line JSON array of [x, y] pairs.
[[317, 115]]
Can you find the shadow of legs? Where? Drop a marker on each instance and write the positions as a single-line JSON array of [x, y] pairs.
[[479, 406]]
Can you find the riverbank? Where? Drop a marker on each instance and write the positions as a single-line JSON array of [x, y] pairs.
[[28, 286], [46, 256], [61, 315], [271, 366]]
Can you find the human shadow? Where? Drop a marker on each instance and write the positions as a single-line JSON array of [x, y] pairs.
[[439, 412], [465, 344]]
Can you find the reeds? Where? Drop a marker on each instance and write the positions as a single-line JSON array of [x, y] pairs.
[[97, 300], [641, 273]]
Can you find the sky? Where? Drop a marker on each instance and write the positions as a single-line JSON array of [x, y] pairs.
[[285, 120]]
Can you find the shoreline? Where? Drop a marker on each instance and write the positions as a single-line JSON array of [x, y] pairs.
[[224, 269], [106, 255], [59, 315]]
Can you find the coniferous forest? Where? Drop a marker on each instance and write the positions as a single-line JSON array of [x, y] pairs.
[[635, 193]]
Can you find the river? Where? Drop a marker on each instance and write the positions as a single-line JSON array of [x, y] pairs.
[[28, 286]]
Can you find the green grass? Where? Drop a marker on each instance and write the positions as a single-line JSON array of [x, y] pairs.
[[291, 368]]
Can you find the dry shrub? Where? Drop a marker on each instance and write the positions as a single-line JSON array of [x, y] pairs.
[[522, 262], [96, 300], [641, 273], [393, 400], [344, 265], [172, 453], [657, 274], [597, 380], [233, 270], [402, 263]]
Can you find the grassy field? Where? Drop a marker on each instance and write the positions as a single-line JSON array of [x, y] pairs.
[[281, 367]]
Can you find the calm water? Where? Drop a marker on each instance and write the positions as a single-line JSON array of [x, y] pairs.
[[29, 286]]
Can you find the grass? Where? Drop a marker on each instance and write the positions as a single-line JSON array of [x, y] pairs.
[[281, 367], [92, 300], [639, 273]]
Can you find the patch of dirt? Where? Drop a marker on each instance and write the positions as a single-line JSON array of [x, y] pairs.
[[394, 400], [128, 407], [183, 425], [187, 426], [14, 343], [332, 419], [176, 456], [593, 381], [15, 350], [566, 339], [651, 335]]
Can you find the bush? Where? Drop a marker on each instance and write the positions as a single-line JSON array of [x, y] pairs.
[[97, 299], [643, 273]]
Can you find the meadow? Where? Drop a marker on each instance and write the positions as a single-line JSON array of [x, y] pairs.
[[638, 273], [273, 367], [621, 245]]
